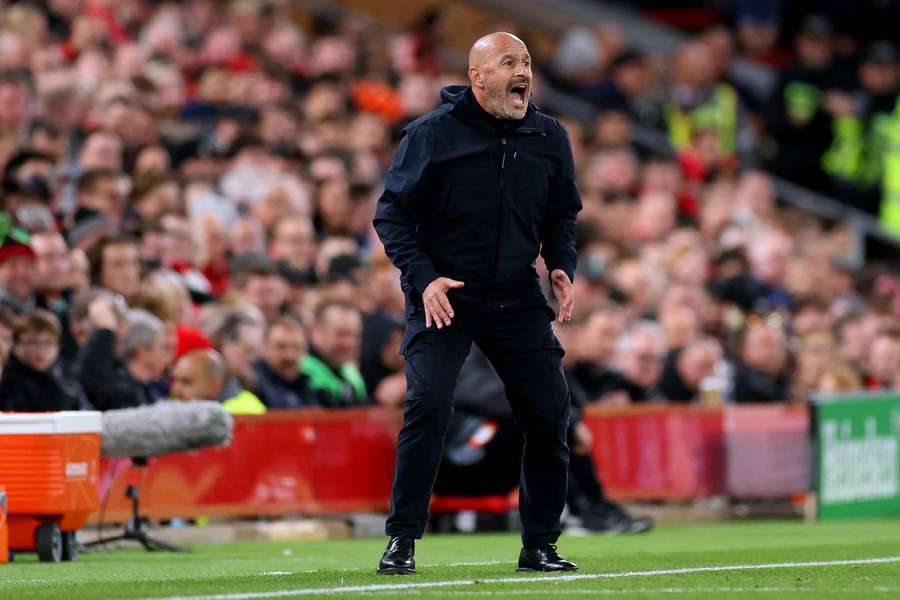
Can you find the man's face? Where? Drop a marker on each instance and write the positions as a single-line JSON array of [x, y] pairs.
[[156, 357], [189, 383], [121, 269], [52, 265], [242, 353], [37, 349], [884, 358], [339, 334], [643, 362], [599, 336], [506, 80], [17, 276], [268, 292], [765, 350], [294, 242], [285, 348]]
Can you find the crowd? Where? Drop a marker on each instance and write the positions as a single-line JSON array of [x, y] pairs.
[[188, 190]]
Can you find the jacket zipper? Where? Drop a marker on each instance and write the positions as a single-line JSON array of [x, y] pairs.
[[500, 210]]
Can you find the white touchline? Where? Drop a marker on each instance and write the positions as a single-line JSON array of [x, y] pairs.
[[548, 578]]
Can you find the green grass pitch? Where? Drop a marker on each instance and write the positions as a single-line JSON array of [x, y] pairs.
[[452, 566]]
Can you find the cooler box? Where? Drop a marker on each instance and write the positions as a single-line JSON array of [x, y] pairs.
[[50, 468], [4, 529]]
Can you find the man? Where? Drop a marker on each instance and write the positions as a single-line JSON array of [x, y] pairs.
[[259, 282], [639, 358], [477, 189], [113, 382], [280, 384], [203, 375], [51, 284], [116, 266], [240, 340], [331, 364], [759, 375], [16, 269], [686, 367]]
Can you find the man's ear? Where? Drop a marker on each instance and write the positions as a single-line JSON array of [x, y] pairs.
[[476, 78]]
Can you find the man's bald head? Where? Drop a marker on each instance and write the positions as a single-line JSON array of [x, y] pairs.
[[199, 375], [488, 45], [500, 74]]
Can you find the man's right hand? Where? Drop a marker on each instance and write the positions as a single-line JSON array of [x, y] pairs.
[[437, 306]]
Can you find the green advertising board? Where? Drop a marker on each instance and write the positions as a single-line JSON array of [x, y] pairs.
[[858, 455]]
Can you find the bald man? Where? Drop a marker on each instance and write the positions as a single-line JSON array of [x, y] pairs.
[[203, 375], [477, 190]]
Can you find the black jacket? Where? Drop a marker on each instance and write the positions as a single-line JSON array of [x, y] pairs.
[[277, 393], [23, 389], [105, 378], [475, 198]]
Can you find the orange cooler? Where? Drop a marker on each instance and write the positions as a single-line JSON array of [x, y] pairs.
[[4, 529], [50, 468]]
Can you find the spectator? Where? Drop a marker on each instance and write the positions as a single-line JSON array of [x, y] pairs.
[[797, 120], [33, 380], [114, 380], [280, 384], [380, 360], [16, 271], [638, 360], [884, 360], [240, 340], [257, 279], [51, 283], [333, 358], [203, 375], [116, 266], [686, 367], [595, 348], [760, 373]]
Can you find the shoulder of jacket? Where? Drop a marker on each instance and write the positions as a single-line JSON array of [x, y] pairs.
[[427, 122]]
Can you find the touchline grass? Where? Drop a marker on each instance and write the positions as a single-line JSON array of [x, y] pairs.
[[772, 559]]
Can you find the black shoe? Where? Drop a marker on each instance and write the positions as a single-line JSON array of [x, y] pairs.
[[608, 518], [398, 557], [544, 558]]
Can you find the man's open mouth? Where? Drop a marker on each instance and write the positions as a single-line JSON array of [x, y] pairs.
[[519, 94]]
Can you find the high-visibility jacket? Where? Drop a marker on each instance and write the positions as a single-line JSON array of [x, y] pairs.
[[868, 154], [719, 112]]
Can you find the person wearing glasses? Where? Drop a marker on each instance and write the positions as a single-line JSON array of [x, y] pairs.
[[33, 378]]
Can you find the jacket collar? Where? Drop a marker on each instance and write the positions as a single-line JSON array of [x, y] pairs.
[[466, 108]]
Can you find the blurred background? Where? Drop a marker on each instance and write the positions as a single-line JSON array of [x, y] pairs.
[[187, 195]]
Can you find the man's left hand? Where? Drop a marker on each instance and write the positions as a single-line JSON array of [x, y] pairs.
[[565, 294]]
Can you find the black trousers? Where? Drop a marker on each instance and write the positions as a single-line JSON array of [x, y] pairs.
[[519, 342]]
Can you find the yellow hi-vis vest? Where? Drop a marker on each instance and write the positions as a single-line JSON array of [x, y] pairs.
[[719, 112], [890, 180]]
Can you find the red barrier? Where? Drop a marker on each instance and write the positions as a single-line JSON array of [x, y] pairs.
[[659, 452], [316, 462], [284, 462]]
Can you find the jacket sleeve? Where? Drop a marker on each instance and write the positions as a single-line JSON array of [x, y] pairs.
[[405, 184], [558, 228], [104, 386]]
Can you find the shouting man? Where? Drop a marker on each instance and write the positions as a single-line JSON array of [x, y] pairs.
[[477, 189]]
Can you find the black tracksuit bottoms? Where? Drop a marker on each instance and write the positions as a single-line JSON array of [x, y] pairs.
[[518, 340]]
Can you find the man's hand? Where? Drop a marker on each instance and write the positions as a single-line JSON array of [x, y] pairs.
[[102, 313], [582, 439], [391, 391], [565, 294], [437, 306]]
